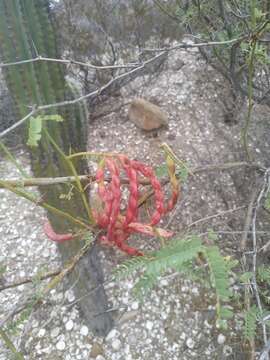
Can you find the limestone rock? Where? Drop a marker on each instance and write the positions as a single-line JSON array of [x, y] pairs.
[[146, 115]]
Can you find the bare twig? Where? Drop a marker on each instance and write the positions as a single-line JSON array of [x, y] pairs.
[[18, 123], [264, 355], [93, 94], [247, 225], [30, 280], [263, 193], [20, 306], [222, 213], [17, 355], [68, 62], [90, 178], [185, 45]]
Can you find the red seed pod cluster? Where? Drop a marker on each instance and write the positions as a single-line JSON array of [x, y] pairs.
[[120, 226]]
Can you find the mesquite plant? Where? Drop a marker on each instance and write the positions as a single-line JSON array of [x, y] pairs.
[[26, 32]]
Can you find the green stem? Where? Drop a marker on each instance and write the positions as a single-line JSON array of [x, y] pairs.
[[74, 172], [250, 102], [10, 345], [92, 153], [43, 204], [13, 160]]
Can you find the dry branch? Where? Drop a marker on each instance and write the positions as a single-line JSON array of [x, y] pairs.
[[90, 178]]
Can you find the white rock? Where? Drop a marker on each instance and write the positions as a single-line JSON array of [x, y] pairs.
[[100, 357], [183, 336], [70, 296], [135, 305], [41, 333], [164, 282], [149, 325], [221, 339], [69, 325], [55, 332], [61, 345], [112, 334], [190, 343], [116, 344], [84, 330], [195, 291]]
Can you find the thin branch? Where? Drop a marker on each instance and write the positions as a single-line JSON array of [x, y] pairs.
[[9, 344], [185, 45], [263, 193], [90, 178], [18, 123], [222, 213], [62, 180], [93, 94], [68, 62], [30, 280], [248, 220], [20, 306]]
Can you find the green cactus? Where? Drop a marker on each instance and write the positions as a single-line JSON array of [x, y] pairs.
[[26, 31]]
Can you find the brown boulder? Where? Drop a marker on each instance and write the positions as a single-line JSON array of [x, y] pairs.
[[146, 115]]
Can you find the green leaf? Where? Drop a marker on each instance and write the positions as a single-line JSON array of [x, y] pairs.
[[55, 117], [245, 277], [258, 13], [161, 171], [176, 253], [251, 322], [225, 313], [182, 172], [34, 132], [218, 272], [35, 127]]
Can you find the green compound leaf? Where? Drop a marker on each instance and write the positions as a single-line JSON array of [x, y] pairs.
[[34, 132], [35, 127], [161, 171]]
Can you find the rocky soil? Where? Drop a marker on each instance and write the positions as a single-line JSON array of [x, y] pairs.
[[177, 319]]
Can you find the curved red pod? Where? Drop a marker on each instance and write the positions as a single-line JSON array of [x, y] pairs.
[[52, 235]]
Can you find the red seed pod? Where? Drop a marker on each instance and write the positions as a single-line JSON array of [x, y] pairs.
[[159, 195], [120, 226], [105, 196], [132, 209], [149, 230], [52, 235], [174, 183], [116, 193]]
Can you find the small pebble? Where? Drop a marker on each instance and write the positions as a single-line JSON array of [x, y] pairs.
[[61, 345], [149, 325], [55, 332], [190, 343], [41, 333], [112, 334], [100, 357], [135, 305], [84, 330], [221, 339], [116, 344], [70, 296], [69, 325]]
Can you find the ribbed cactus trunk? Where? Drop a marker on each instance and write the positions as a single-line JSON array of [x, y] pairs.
[[26, 31]]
